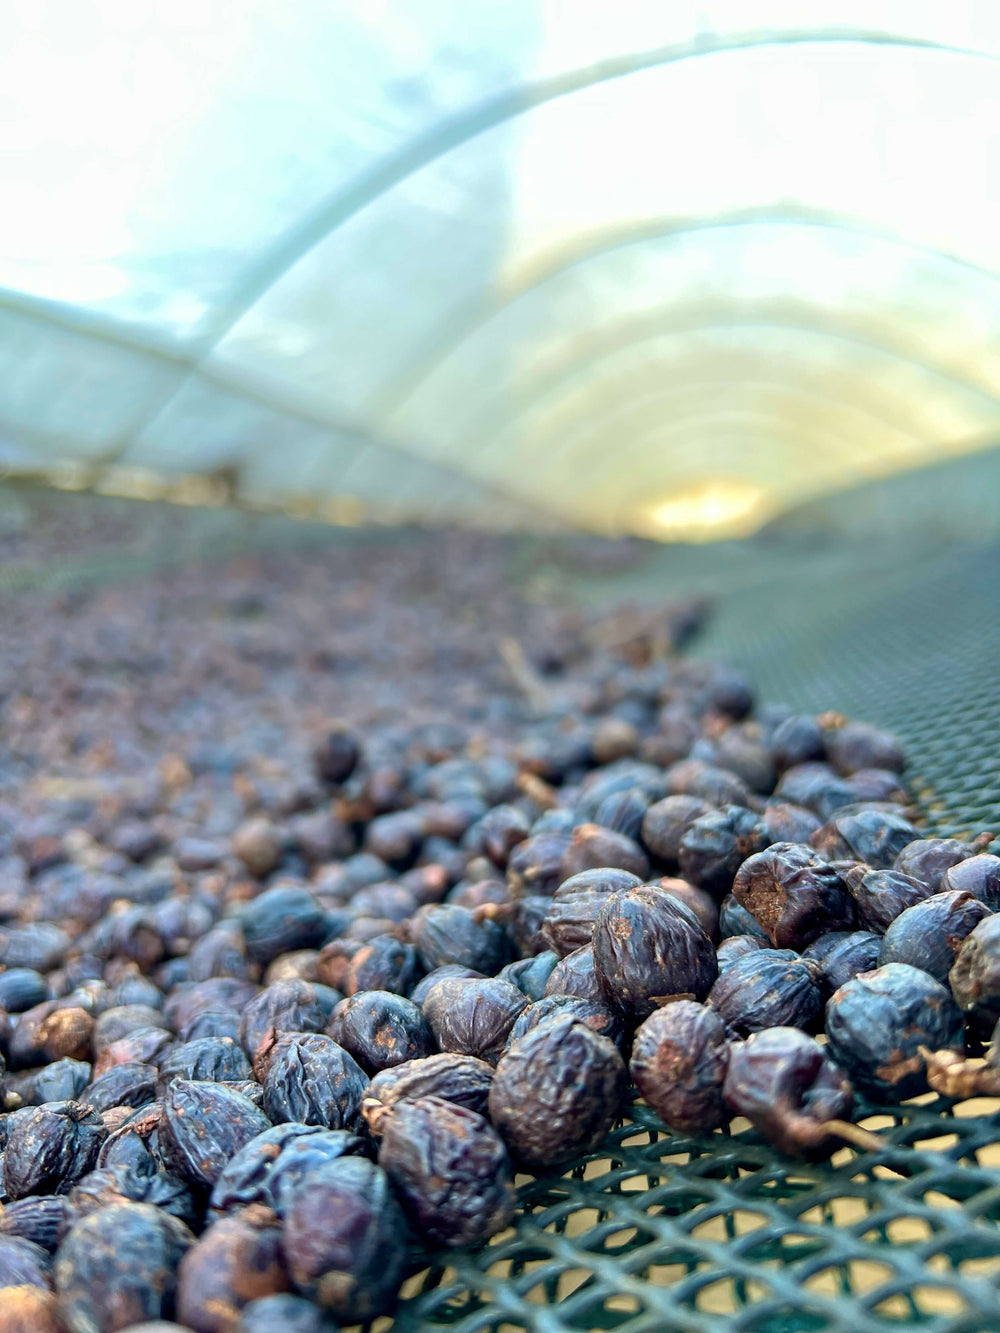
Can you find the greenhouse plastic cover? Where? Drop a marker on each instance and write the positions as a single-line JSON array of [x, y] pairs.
[[653, 267]]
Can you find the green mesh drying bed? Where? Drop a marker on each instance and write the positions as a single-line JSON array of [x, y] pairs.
[[660, 1232]]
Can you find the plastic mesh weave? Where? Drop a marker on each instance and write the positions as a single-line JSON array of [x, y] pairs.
[[660, 1232]]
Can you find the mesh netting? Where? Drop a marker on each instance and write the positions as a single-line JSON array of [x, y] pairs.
[[661, 1232]]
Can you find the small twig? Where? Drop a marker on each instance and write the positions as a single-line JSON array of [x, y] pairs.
[[538, 790], [526, 678], [854, 1134]]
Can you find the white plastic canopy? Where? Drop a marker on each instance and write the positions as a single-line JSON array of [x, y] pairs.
[[653, 267]]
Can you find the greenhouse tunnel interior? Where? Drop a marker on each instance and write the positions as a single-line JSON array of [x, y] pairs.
[[667, 271]]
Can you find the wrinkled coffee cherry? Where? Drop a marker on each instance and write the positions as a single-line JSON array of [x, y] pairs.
[[461, 1079], [314, 1081], [269, 1169], [206, 1059], [118, 1267], [471, 1017], [979, 875], [858, 745], [715, 845], [787, 1087], [381, 1029], [793, 895], [881, 895], [448, 1166], [236, 1260], [126, 1184], [290, 1314], [735, 946], [37, 1218], [648, 947], [281, 919], [286, 1006], [576, 975], [767, 988], [666, 822], [203, 1125], [679, 1059], [444, 934], [975, 975], [592, 848], [557, 1092], [530, 975], [596, 1015], [23, 1264], [875, 837], [569, 920], [344, 1239], [930, 934], [841, 955], [877, 1024], [928, 859], [50, 1147]]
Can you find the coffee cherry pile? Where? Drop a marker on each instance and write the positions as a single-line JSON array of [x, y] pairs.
[[246, 1089]]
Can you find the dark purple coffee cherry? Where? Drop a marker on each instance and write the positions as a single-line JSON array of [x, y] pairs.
[[236, 1260], [649, 947], [344, 1238], [285, 1006], [715, 846], [841, 955], [269, 1169], [449, 1168], [530, 975], [877, 1023], [470, 1017], [557, 1092], [312, 1080], [767, 988], [118, 1267], [461, 1079], [975, 975], [595, 1014], [577, 975], [927, 859], [336, 755], [875, 837], [38, 1218], [979, 875], [50, 1147], [793, 895], [381, 1029], [859, 745], [382, 963], [797, 740], [569, 920], [206, 1060], [788, 1088], [594, 848], [125, 1184], [443, 933], [881, 895], [203, 1126], [930, 934], [534, 867], [291, 1314], [786, 822], [426, 983], [736, 920], [666, 822], [736, 946], [679, 1060]]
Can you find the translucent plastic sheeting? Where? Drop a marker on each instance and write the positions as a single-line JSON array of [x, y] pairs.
[[635, 267]]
